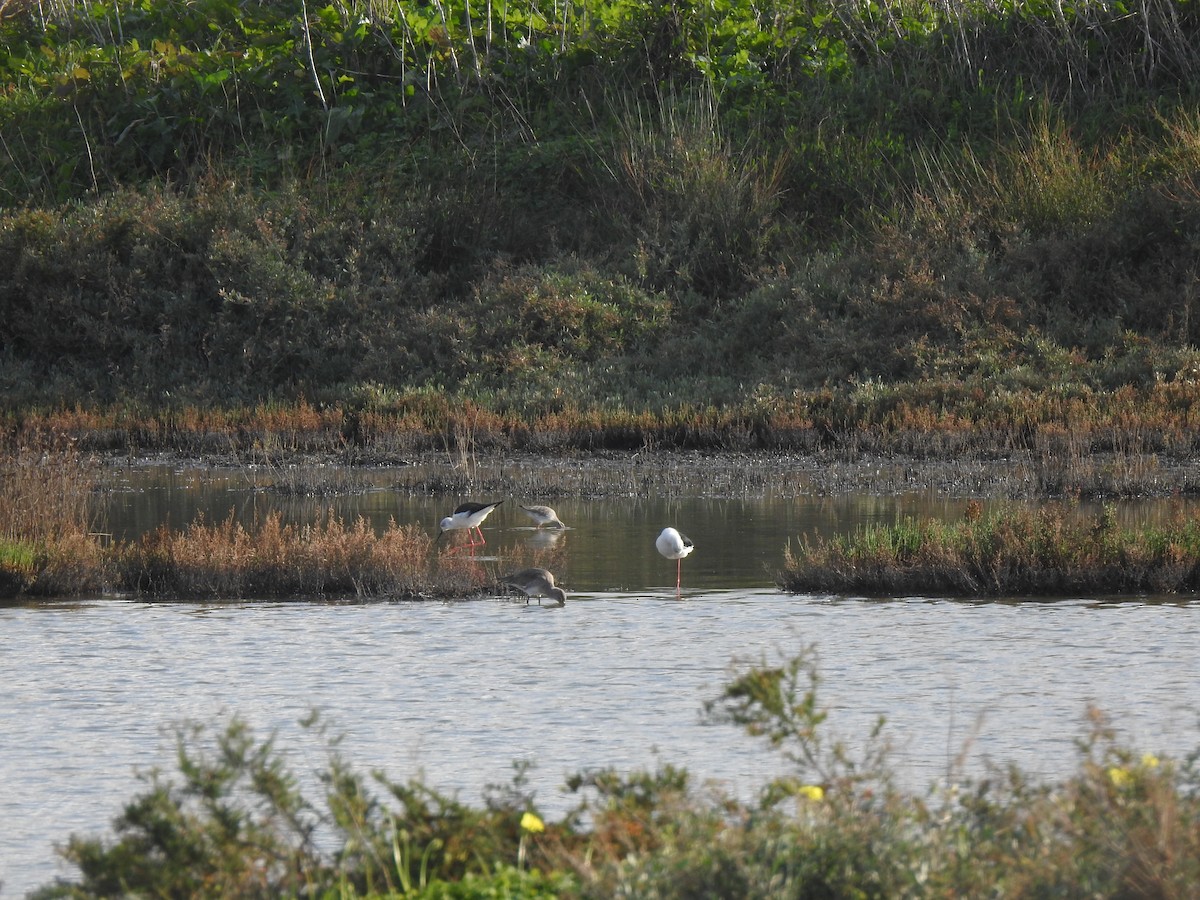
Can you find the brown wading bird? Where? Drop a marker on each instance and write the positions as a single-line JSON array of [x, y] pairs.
[[543, 515], [536, 583], [469, 516]]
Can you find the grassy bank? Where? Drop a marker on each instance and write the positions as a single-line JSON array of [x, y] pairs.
[[233, 822], [932, 225], [1048, 552], [53, 544], [1064, 432]]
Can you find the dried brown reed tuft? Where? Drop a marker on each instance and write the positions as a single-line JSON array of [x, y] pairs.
[[46, 494], [940, 419], [274, 559], [48, 521], [73, 564]]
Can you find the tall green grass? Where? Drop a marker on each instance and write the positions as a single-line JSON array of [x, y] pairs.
[[1016, 551]]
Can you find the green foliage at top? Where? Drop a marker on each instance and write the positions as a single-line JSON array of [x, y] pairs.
[[103, 93], [619, 205]]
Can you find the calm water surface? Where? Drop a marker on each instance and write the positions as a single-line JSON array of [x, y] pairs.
[[457, 692]]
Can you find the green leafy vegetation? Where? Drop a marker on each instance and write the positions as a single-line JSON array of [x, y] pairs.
[[235, 822], [773, 224]]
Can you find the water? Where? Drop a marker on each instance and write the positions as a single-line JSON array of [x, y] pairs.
[[605, 547], [457, 692]]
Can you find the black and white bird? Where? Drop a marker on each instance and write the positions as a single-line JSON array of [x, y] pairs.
[[469, 516]]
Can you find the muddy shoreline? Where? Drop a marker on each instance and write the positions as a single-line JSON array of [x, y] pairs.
[[704, 474]]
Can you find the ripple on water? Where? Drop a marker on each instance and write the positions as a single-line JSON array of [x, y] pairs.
[[459, 691]]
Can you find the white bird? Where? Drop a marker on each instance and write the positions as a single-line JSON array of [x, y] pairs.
[[674, 545], [543, 515], [536, 583], [469, 516]]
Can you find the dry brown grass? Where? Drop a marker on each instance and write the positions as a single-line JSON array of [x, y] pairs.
[[50, 545], [49, 538], [940, 419], [46, 494], [328, 557], [72, 565]]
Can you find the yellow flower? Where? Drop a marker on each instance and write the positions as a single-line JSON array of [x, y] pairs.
[[1150, 761], [1119, 777], [813, 792], [530, 822]]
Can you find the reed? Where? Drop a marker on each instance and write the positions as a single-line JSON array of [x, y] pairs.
[[51, 545], [270, 558], [46, 494], [1070, 427], [1016, 551], [50, 541]]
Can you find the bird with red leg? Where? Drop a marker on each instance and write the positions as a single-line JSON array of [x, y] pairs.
[[676, 546], [469, 516]]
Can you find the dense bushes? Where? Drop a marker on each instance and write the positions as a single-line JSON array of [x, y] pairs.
[[634, 206]]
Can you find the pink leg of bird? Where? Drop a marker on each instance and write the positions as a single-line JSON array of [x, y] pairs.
[[469, 544]]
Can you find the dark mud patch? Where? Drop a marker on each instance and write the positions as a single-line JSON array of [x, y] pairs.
[[715, 475]]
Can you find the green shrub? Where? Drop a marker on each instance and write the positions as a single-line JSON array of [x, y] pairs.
[[235, 824]]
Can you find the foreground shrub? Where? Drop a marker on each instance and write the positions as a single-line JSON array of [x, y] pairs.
[[237, 824]]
